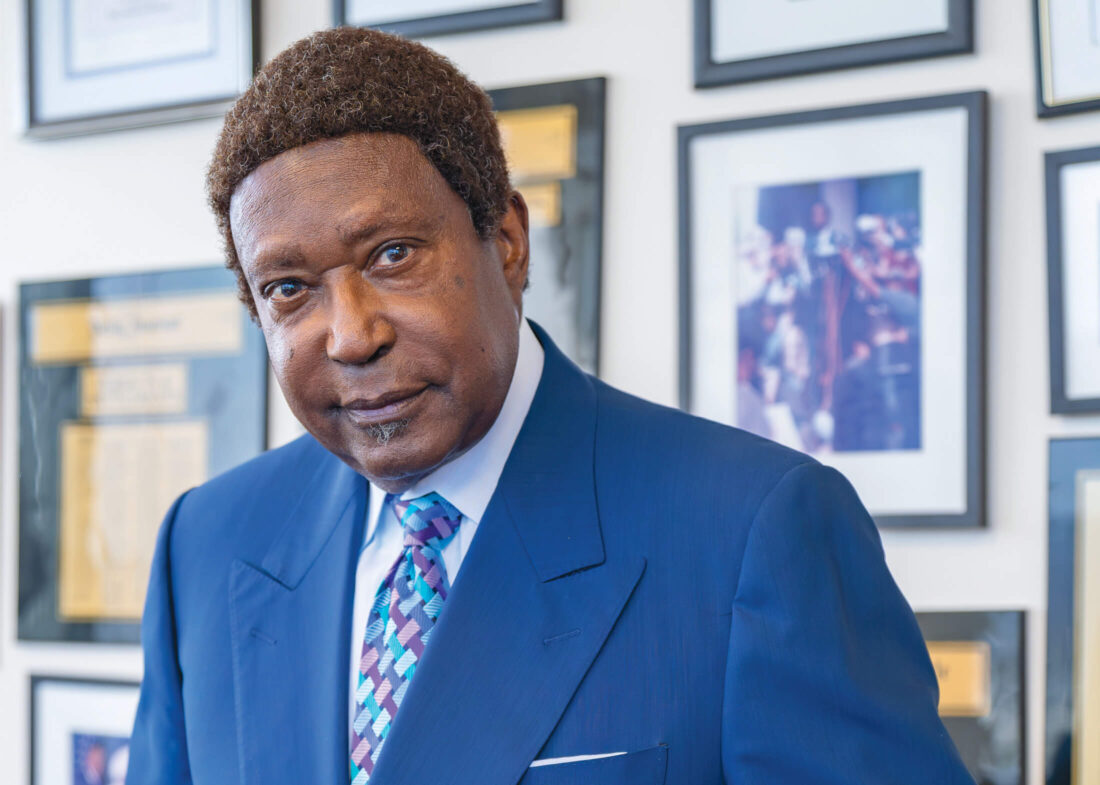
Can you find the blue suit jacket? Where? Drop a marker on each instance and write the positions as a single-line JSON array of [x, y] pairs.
[[644, 581]]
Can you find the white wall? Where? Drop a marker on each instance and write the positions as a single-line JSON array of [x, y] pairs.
[[134, 201]]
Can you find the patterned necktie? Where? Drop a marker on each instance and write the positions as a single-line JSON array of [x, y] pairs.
[[405, 609]]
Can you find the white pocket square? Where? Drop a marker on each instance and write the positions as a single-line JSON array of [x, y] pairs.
[[573, 759]]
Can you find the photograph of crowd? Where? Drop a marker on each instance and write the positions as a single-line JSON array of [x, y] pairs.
[[828, 278]]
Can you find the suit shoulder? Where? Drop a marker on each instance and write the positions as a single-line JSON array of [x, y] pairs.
[[690, 443]]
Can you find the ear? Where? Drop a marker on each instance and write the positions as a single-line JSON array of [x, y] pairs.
[[514, 247]]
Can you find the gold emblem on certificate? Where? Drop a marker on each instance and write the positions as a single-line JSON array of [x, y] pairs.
[[553, 138], [134, 389], [979, 661]]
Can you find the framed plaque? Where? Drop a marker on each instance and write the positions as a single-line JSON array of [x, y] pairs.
[[1073, 614], [980, 663], [553, 136], [133, 389], [1067, 56], [831, 294], [80, 730], [97, 65], [745, 40], [418, 18], [1073, 278]]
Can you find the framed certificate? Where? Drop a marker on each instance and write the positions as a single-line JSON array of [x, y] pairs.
[[1067, 56], [418, 18], [1073, 614], [133, 389], [745, 40], [553, 136], [1073, 278], [980, 663], [80, 730], [831, 294], [97, 65]]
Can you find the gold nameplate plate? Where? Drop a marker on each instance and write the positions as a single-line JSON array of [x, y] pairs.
[[963, 669]]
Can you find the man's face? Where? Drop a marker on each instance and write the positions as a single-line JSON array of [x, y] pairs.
[[391, 326]]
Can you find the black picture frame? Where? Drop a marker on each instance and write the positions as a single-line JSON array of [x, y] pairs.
[[34, 710], [1068, 459], [462, 22], [957, 39], [1054, 163], [160, 112], [577, 240], [1045, 107], [975, 105], [219, 407], [994, 746]]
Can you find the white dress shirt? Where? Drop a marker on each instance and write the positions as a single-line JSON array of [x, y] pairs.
[[467, 482]]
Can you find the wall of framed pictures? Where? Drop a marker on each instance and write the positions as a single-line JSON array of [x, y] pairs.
[[131, 202]]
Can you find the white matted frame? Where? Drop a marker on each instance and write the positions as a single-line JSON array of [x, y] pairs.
[[419, 18], [746, 40], [66, 713], [1073, 282], [1067, 56], [101, 65], [941, 483]]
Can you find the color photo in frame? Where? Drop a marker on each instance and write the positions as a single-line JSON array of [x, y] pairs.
[[133, 389], [80, 730], [824, 305]]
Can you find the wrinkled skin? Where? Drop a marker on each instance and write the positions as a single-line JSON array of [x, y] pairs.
[[391, 326]]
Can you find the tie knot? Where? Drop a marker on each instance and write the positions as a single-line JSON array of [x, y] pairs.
[[428, 520]]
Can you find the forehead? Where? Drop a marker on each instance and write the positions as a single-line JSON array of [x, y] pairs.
[[325, 183]]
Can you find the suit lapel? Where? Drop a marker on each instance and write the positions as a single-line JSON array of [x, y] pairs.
[[290, 634], [529, 610]]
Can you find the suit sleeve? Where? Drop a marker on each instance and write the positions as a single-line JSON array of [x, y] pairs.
[[158, 745], [828, 680]]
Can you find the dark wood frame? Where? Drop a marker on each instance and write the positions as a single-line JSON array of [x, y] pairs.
[[1005, 731], [1060, 402], [957, 39], [465, 21], [1042, 38], [35, 680], [1067, 458], [976, 105], [590, 98], [131, 118], [39, 501]]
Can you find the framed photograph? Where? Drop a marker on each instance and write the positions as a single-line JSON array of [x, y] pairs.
[[98, 65], [553, 136], [80, 730], [831, 294], [980, 663], [1073, 614], [1067, 56], [420, 18], [1073, 279], [132, 389], [746, 40]]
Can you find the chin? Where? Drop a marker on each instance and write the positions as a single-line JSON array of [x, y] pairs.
[[392, 457]]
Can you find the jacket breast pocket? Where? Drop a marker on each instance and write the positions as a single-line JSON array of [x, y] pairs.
[[646, 767]]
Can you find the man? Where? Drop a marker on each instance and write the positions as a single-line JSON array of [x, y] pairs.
[[482, 561]]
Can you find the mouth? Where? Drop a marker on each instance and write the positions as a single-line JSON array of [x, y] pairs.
[[394, 405]]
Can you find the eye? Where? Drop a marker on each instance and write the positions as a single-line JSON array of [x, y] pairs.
[[395, 253], [284, 290]]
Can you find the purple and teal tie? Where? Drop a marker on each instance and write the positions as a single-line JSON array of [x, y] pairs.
[[405, 610]]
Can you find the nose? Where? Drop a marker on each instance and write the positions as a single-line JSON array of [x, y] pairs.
[[358, 331]]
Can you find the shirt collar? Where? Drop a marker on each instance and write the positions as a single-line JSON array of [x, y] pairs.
[[468, 481]]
